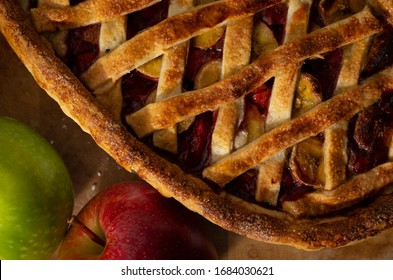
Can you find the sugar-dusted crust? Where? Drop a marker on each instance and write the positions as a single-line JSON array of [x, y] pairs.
[[221, 208], [48, 18]]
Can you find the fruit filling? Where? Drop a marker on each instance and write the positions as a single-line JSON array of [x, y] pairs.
[[147, 17], [198, 56], [194, 143], [82, 48], [369, 135], [380, 54], [137, 89]]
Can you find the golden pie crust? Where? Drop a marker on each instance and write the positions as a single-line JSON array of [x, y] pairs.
[[340, 213]]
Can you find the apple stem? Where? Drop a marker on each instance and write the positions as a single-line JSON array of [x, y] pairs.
[[94, 237]]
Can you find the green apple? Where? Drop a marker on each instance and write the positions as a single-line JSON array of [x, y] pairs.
[[36, 194]]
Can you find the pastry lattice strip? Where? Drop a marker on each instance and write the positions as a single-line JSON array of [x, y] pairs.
[[280, 106], [112, 34], [173, 110], [48, 18], [335, 153], [237, 53], [170, 81], [151, 43]]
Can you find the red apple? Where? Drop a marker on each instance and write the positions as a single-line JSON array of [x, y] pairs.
[[132, 220]]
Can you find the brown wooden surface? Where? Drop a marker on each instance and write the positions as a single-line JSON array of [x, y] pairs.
[[92, 170]]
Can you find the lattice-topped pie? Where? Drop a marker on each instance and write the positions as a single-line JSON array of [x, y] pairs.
[[271, 118]]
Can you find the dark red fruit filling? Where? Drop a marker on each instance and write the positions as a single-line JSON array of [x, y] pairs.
[[369, 136], [194, 144], [291, 189], [147, 17], [380, 54], [261, 98], [244, 186], [136, 91], [82, 48]]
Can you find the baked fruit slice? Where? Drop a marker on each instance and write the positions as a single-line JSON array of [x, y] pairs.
[[270, 118]]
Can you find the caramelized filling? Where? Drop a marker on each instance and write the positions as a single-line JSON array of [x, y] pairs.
[[194, 150], [260, 98], [369, 136], [82, 48], [380, 54], [244, 186], [137, 90], [326, 71], [275, 18], [198, 57], [147, 17], [291, 189]]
